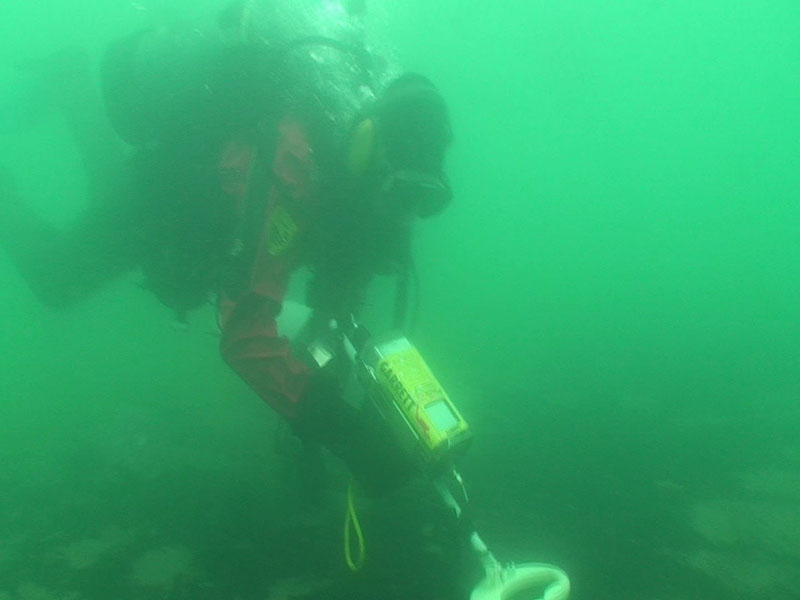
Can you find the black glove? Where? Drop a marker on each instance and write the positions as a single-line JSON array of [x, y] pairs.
[[361, 438]]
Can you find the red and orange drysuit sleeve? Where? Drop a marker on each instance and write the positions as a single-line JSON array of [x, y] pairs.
[[251, 343]]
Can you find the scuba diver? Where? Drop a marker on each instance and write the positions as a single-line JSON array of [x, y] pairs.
[[220, 163], [250, 159]]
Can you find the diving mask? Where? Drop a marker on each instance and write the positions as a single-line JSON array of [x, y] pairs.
[[417, 192]]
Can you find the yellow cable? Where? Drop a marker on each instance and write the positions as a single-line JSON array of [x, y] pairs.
[[351, 521]]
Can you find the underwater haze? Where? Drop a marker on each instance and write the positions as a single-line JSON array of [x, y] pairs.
[[612, 300]]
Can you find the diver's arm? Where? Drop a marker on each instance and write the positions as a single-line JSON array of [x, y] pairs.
[[252, 347], [308, 399], [250, 341]]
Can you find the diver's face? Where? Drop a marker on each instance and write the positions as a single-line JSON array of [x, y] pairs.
[[416, 193], [401, 195]]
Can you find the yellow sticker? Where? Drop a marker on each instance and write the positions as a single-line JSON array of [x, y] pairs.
[[282, 231], [415, 388]]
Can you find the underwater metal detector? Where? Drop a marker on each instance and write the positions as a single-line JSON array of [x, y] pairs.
[[424, 419], [428, 425]]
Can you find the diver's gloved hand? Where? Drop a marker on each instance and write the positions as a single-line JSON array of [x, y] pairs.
[[360, 438]]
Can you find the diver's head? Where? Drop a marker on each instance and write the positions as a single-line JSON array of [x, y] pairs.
[[399, 146]]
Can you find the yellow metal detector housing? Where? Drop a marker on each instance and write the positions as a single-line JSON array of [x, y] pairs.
[[413, 400]]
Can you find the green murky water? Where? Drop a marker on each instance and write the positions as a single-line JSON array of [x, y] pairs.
[[613, 300]]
